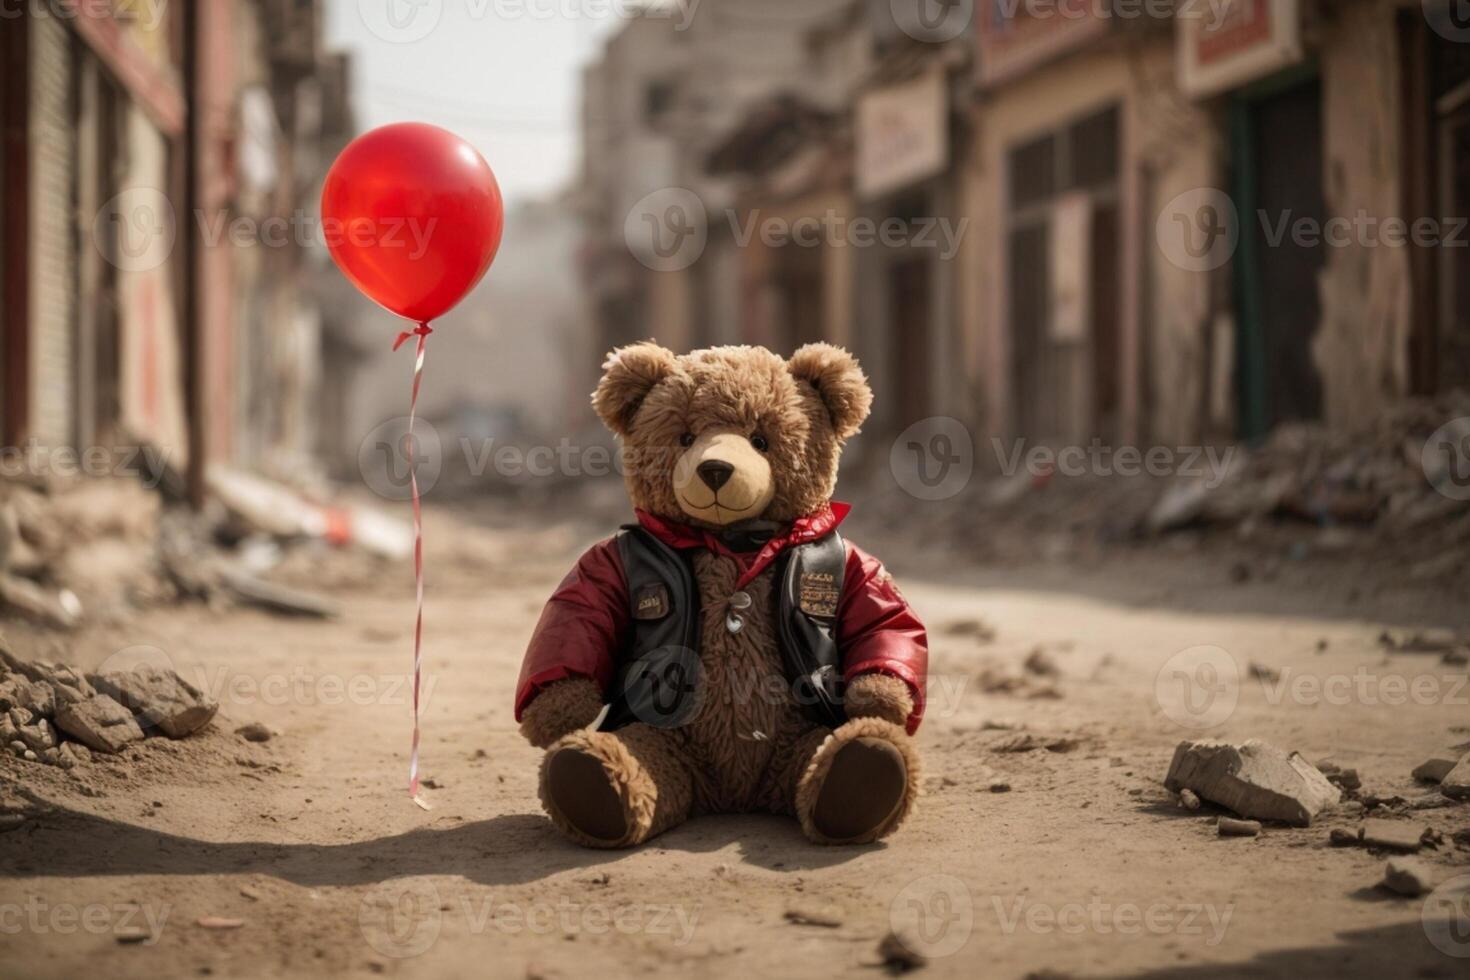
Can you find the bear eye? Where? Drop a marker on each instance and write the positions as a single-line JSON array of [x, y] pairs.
[[686, 440], [759, 442]]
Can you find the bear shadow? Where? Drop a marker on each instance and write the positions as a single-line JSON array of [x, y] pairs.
[[511, 849]]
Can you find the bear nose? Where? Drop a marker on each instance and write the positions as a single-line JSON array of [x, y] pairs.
[[714, 473]]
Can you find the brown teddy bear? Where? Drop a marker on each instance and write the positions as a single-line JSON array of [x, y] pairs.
[[734, 653]]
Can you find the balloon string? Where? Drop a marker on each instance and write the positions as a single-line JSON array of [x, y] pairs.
[[422, 331]]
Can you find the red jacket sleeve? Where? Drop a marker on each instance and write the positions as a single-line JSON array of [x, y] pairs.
[[877, 630], [584, 623]]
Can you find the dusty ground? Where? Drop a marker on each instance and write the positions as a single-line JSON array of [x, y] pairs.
[[1084, 867]]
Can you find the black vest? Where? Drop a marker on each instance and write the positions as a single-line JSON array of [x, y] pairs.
[[657, 678]]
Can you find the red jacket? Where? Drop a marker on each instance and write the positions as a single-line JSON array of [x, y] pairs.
[[586, 622]]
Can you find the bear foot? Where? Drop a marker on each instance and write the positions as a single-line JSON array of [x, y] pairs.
[[614, 789], [860, 784]]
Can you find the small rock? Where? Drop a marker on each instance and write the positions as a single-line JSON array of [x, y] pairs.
[[1261, 672], [1407, 876], [1256, 780], [17, 748], [99, 723], [131, 935], [826, 917], [1392, 835], [254, 732], [1041, 663], [898, 955], [1342, 837], [999, 786], [219, 922], [1189, 799], [159, 698], [1230, 827], [1456, 783], [1435, 768], [11, 821]]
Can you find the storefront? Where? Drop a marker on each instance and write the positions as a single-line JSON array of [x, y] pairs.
[[911, 233]]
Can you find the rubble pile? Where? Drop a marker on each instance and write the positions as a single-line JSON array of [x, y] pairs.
[[79, 546], [53, 714], [1307, 489]]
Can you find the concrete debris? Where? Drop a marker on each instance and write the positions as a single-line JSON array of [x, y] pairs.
[[1392, 835], [278, 598], [1456, 783], [1030, 742], [1255, 780], [825, 917], [1435, 768], [1230, 827], [99, 723], [27, 600], [899, 955], [1407, 876], [254, 732], [1188, 799], [159, 698]]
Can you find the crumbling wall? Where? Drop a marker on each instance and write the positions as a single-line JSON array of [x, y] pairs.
[[1361, 350]]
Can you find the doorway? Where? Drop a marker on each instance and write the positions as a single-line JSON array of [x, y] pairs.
[[1276, 142]]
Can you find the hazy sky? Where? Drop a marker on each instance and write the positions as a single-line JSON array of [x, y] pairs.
[[504, 74]]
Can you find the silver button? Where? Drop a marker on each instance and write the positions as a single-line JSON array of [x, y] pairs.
[[734, 623], [740, 600]]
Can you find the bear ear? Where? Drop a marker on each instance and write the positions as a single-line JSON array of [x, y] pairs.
[[629, 374], [840, 383]]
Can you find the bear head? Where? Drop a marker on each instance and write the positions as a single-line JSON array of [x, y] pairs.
[[731, 434]]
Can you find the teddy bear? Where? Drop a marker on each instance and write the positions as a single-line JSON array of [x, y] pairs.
[[730, 652]]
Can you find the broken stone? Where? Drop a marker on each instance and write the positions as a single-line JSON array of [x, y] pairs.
[[254, 732], [11, 821], [825, 917], [1435, 768], [1456, 783], [29, 601], [899, 955], [38, 737], [1256, 780], [1393, 835], [1407, 876], [99, 723], [1230, 827], [17, 748], [1028, 742], [159, 698], [1189, 799], [1342, 837]]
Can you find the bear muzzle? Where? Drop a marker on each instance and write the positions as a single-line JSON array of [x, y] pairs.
[[722, 479]]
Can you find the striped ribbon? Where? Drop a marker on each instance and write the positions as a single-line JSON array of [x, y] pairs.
[[422, 332]]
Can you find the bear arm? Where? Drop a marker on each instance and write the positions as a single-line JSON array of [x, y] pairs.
[[877, 695], [560, 708]]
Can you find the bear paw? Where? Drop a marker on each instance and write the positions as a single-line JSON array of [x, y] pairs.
[[560, 709], [860, 785]]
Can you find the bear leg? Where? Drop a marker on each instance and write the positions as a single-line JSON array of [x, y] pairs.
[[615, 789], [860, 784]]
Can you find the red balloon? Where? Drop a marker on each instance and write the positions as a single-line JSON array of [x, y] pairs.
[[413, 216]]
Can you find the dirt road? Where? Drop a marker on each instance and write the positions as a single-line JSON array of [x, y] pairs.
[[302, 855]]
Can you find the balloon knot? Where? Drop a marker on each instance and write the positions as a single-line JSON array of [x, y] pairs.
[[422, 330]]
